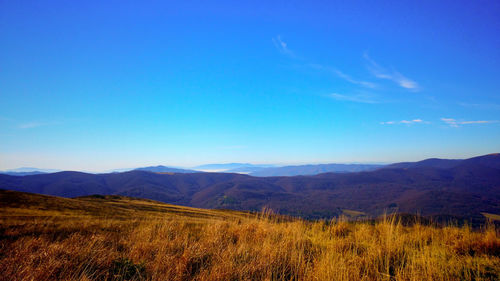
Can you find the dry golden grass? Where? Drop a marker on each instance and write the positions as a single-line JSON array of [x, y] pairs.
[[491, 216], [147, 240]]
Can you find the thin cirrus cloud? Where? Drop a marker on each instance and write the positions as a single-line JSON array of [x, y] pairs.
[[283, 48], [456, 123], [492, 106], [382, 73], [360, 98], [406, 122], [344, 76], [35, 124], [30, 125]]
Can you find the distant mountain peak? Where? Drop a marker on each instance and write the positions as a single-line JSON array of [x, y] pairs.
[[28, 171], [165, 169], [231, 167]]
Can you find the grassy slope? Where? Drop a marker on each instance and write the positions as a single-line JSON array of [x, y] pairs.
[[21, 204], [492, 216], [121, 238]]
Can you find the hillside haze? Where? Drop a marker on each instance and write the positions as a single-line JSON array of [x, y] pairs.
[[313, 169]]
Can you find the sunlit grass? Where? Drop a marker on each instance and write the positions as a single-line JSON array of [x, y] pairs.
[[491, 216], [167, 242]]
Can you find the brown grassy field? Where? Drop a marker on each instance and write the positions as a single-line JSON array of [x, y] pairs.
[[118, 238]]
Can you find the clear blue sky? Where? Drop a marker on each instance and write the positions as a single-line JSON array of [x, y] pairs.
[[97, 85]]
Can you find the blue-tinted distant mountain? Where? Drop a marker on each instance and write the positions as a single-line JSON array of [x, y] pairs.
[[20, 174], [427, 163], [245, 170], [486, 161], [164, 169], [231, 167], [31, 169], [490, 161], [303, 170], [27, 171]]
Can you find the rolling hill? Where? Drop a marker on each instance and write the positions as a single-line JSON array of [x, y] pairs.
[[21, 204], [463, 190]]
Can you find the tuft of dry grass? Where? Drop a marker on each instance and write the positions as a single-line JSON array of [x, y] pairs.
[[197, 244]]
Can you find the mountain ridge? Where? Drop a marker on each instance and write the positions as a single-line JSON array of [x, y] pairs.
[[314, 169], [165, 169], [464, 190]]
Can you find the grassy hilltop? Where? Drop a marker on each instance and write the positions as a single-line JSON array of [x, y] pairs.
[[123, 238]]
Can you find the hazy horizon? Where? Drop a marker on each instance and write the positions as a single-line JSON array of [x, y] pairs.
[[197, 166], [96, 86]]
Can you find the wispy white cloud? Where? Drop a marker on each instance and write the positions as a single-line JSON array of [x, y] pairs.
[[456, 123], [361, 98], [35, 124], [342, 75], [283, 47], [382, 73], [354, 81], [492, 106], [406, 122], [477, 122], [30, 125]]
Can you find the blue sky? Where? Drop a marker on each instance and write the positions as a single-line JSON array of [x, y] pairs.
[[88, 85]]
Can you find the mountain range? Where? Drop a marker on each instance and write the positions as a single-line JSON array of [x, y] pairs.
[[313, 169], [27, 171], [239, 168], [462, 189], [275, 170]]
